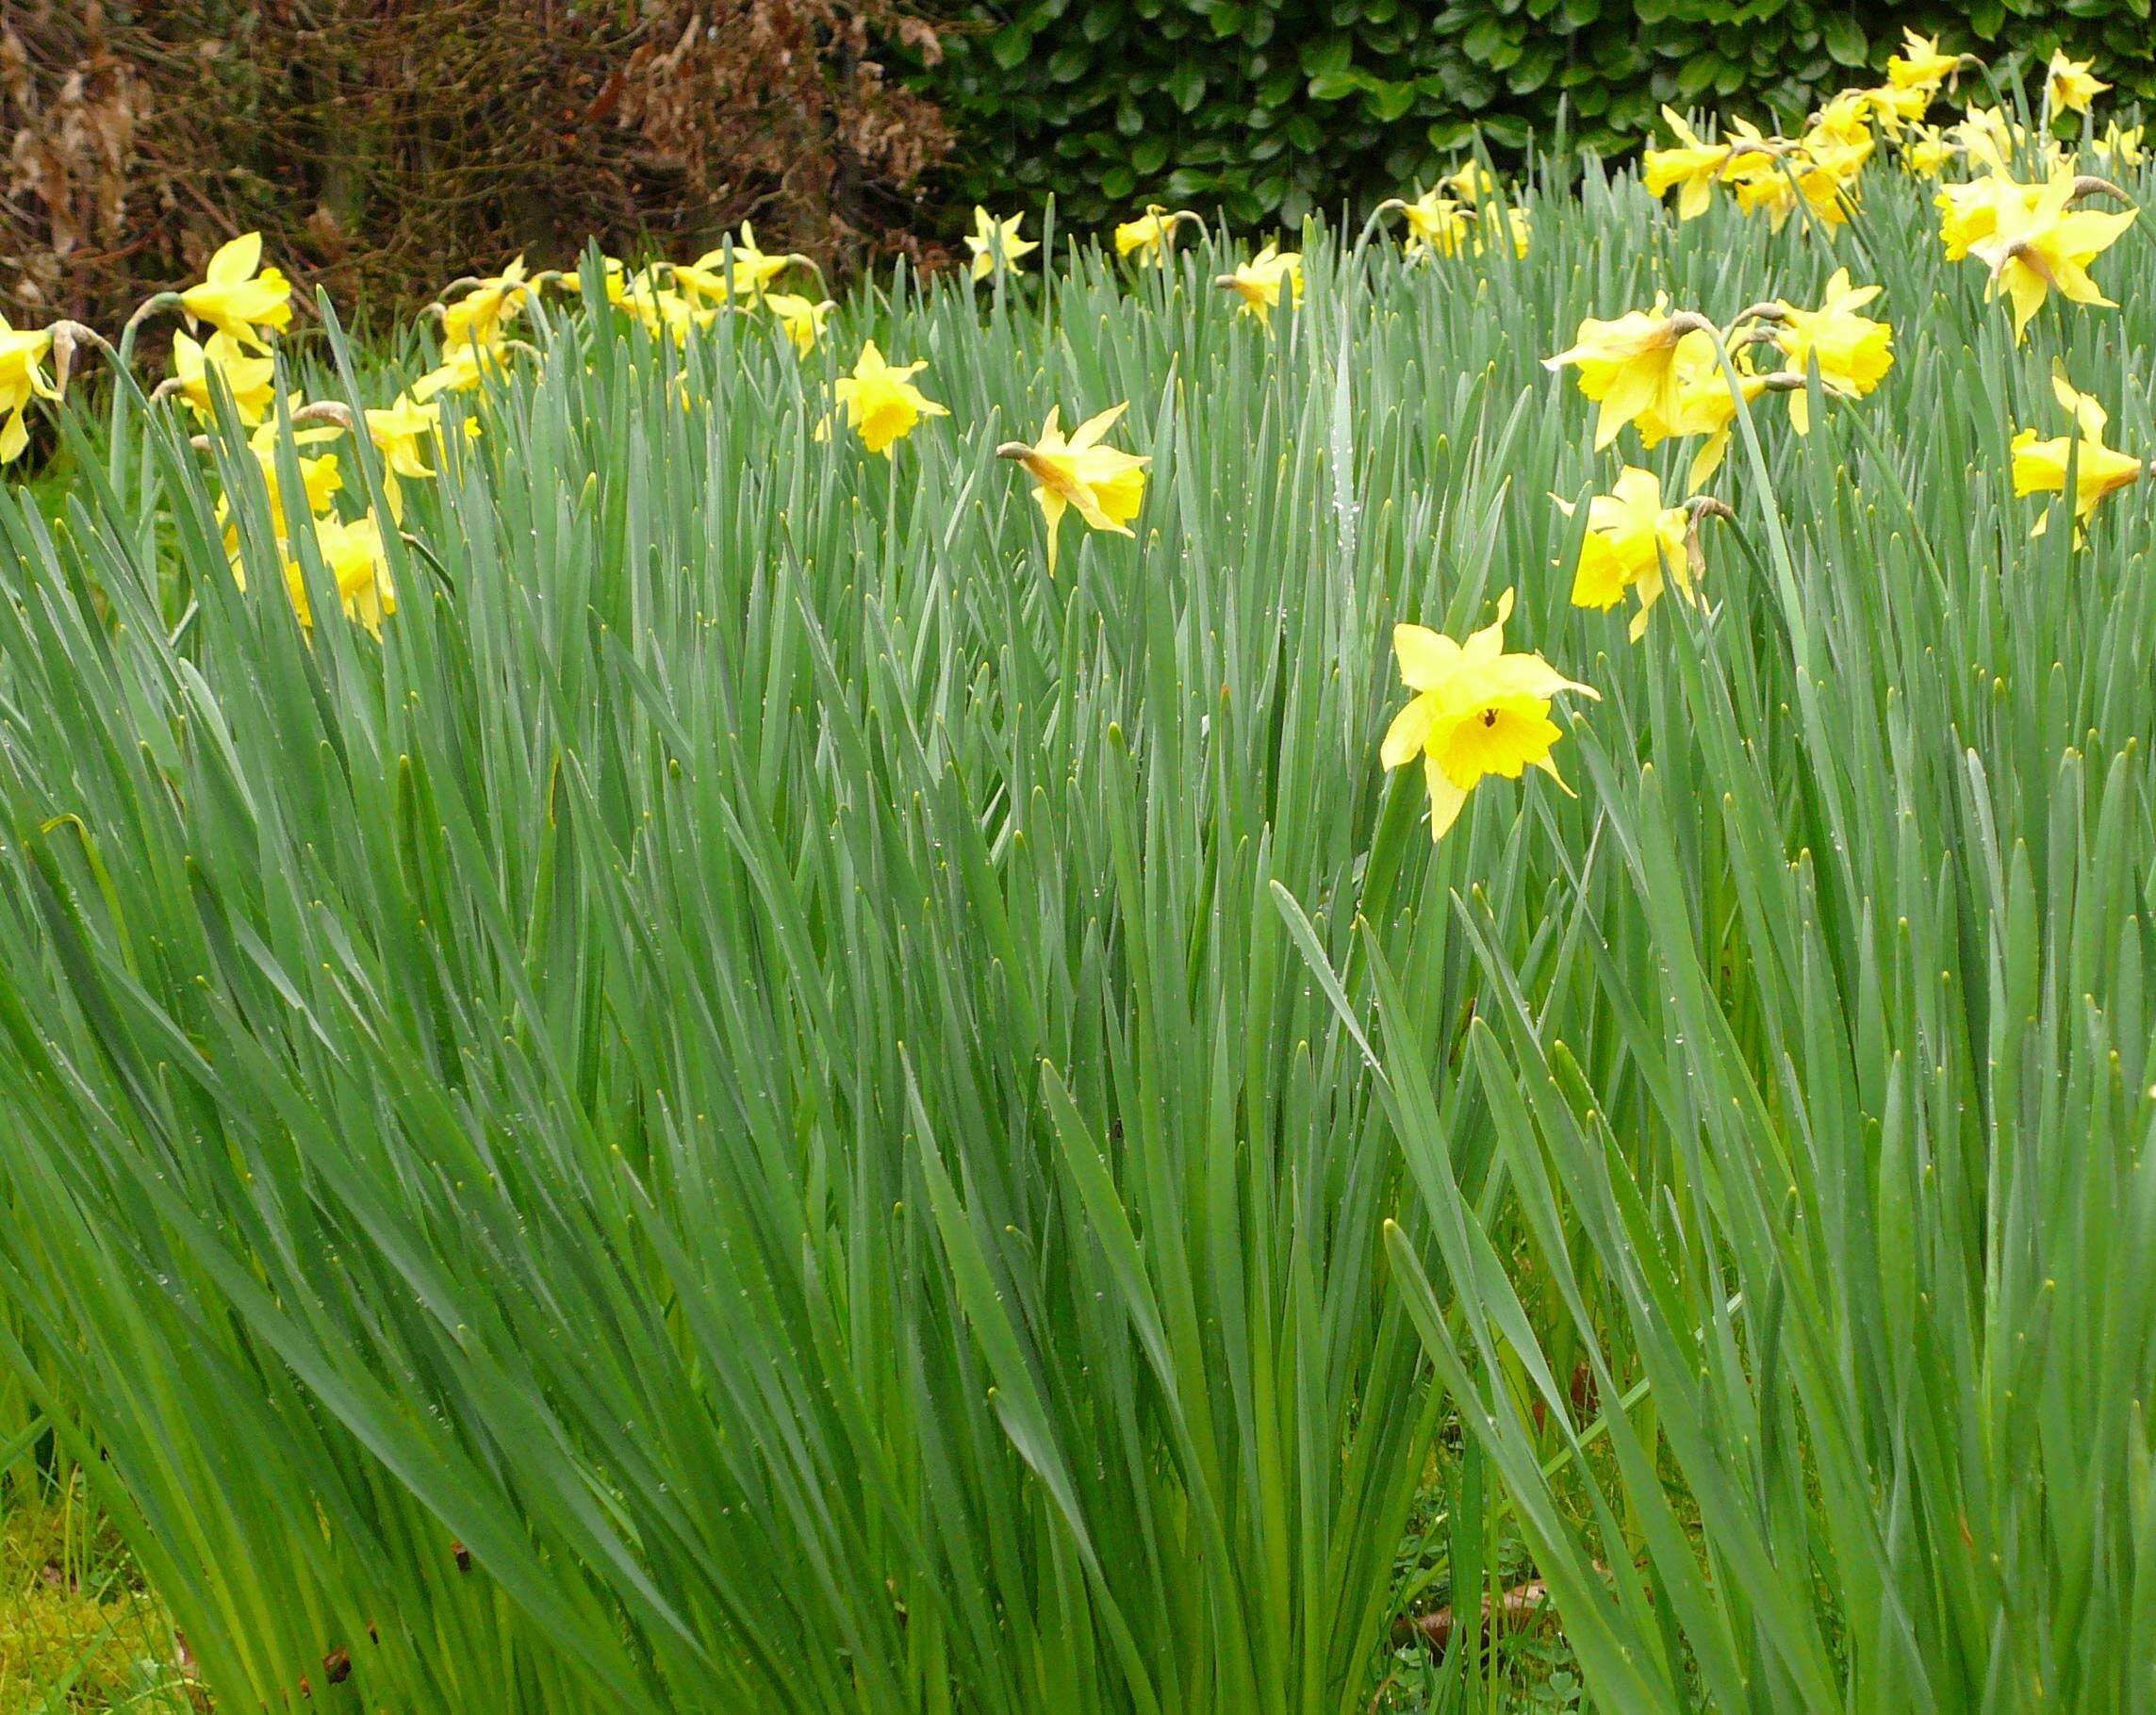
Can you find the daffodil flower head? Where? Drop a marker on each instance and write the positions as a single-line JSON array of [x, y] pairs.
[[1476, 711], [1919, 65], [250, 381], [1152, 235], [880, 403], [1705, 403], [1633, 542], [994, 241], [483, 313], [1474, 183], [23, 378], [2071, 84], [1104, 484], [1258, 284], [2119, 147], [238, 296], [461, 370], [2046, 245], [1691, 167], [749, 274], [1629, 366], [1926, 150], [2040, 465], [801, 321], [319, 479], [1436, 225], [1853, 352]]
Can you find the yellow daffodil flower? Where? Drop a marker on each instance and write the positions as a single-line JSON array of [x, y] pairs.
[[2040, 465], [1517, 224], [461, 370], [238, 301], [353, 557], [319, 479], [251, 381], [1704, 405], [1896, 108], [1925, 151], [1476, 711], [1968, 213], [1474, 183], [1436, 225], [1919, 65], [1104, 484], [753, 271], [2071, 84], [2121, 148], [1152, 235], [1845, 119], [1631, 540], [991, 240], [403, 432], [1690, 168], [1989, 138], [23, 378], [480, 316], [1629, 366], [879, 401], [2046, 246], [1854, 353], [801, 321], [1257, 283]]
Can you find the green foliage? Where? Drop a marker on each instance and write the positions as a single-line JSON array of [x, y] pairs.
[[1271, 108], [762, 1106]]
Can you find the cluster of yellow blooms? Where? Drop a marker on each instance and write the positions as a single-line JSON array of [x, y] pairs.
[[1476, 709], [1675, 375]]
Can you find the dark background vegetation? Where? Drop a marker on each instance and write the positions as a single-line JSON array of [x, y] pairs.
[[382, 145]]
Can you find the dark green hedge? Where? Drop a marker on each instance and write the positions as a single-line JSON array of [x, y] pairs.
[[1269, 108]]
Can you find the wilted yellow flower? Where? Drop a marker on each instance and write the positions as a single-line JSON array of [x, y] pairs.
[[2044, 246], [480, 315], [1152, 235], [1106, 485], [23, 378], [1690, 168], [1629, 365], [1258, 282], [1476, 711], [879, 401], [2071, 84], [2040, 465], [992, 240], [1631, 540], [2120, 147], [1436, 225], [236, 300], [251, 381], [1920, 65], [802, 322], [1854, 353], [708, 277]]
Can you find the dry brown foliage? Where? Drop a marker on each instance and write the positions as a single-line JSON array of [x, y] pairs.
[[383, 146]]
